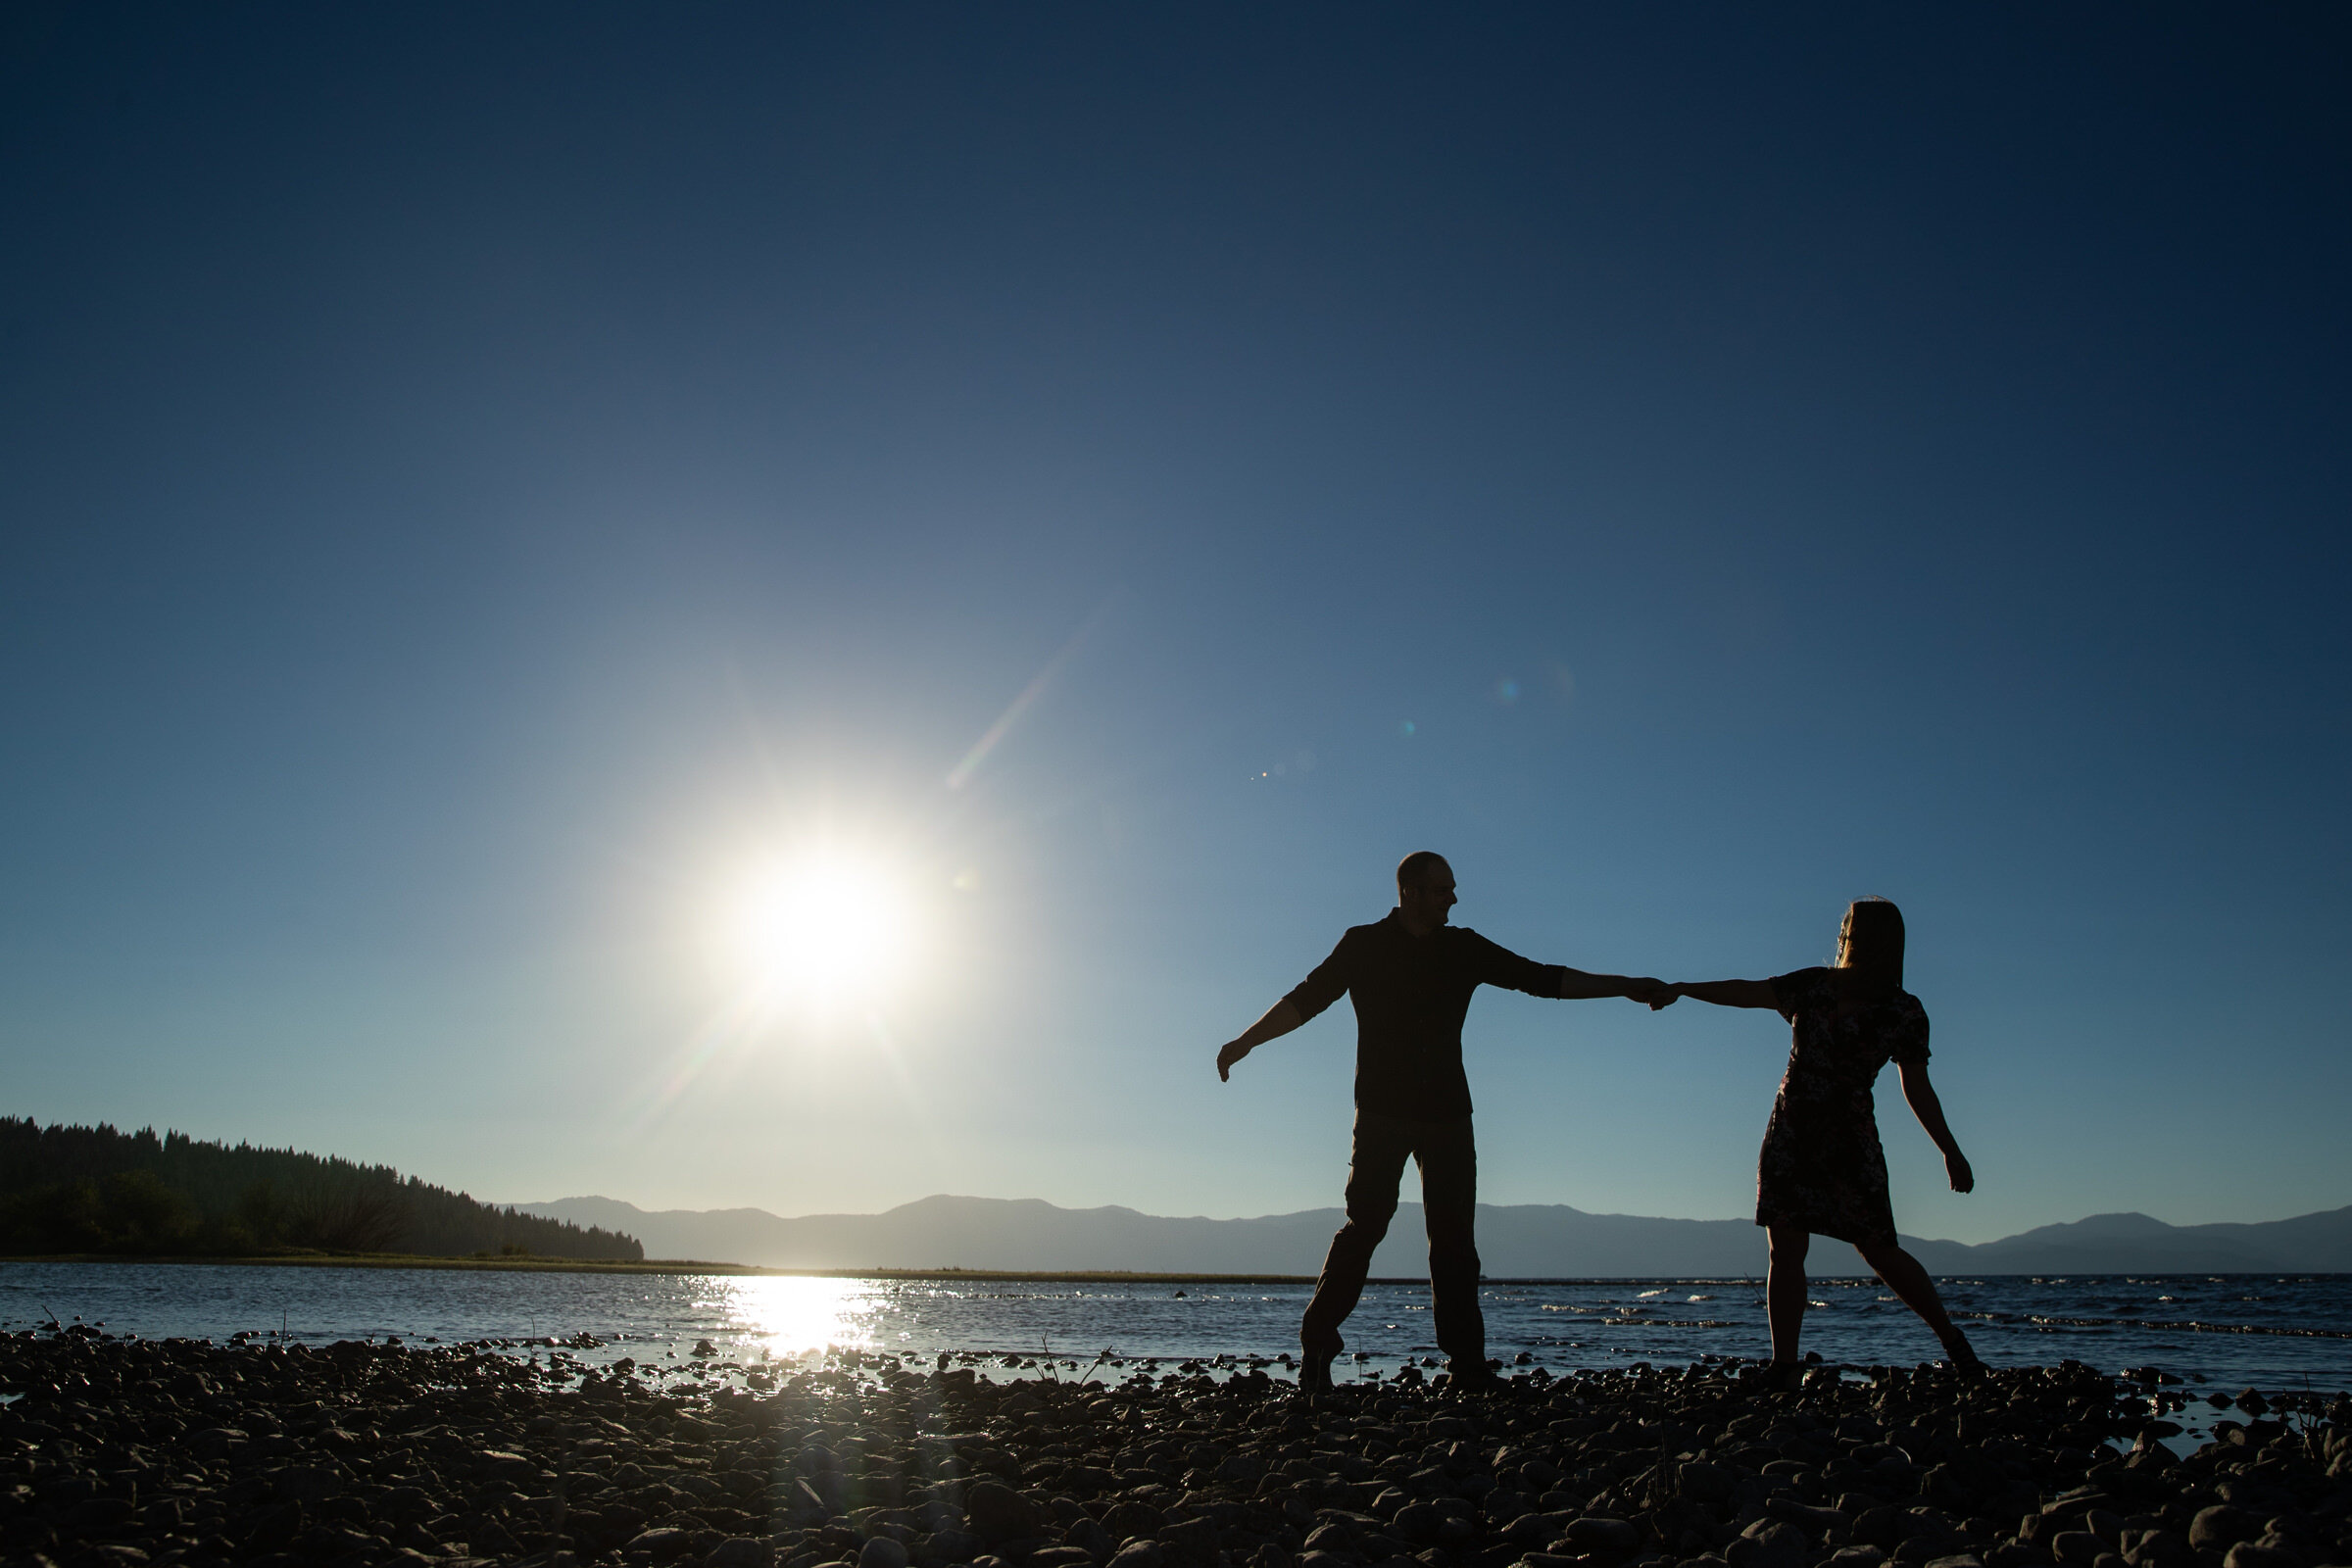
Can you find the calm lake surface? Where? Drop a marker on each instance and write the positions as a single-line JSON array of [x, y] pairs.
[[2274, 1332]]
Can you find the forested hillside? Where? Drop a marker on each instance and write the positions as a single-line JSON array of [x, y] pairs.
[[97, 1190]]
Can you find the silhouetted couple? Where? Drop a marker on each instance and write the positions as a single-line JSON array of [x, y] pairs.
[[1822, 1171]]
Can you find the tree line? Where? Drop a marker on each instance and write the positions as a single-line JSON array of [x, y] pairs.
[[97, 1190]]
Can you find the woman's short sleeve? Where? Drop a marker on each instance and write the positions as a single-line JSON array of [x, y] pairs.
[[1800, 991], [1907, 1042]]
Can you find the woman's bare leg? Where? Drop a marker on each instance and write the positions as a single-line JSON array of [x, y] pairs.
[[1784, 1289], [1904, 1276]]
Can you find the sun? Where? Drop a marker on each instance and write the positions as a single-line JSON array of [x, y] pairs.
[[826, 929]]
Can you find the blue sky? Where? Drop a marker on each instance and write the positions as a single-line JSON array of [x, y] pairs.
[[478, 484]]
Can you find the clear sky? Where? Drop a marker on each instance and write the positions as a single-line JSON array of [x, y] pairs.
[[483, 488]]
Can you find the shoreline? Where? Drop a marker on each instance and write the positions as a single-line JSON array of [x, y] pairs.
[[124, 1450], [671, 1265]]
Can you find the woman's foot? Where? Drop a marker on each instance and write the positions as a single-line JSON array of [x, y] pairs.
[[1963, 1358], [1314, 1377], [1780, 1377]]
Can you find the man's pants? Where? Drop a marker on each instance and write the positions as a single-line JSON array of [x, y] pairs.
[[1448, 1160]]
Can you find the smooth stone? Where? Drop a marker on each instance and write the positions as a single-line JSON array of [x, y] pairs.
[[999, 1513], [1600, 1534], [2249, 1555], [2219, 1526], [1771, 1544]]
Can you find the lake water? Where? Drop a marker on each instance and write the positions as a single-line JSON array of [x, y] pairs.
[[2274, 1332]]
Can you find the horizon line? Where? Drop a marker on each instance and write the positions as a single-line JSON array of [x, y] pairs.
[[2121, 1214]]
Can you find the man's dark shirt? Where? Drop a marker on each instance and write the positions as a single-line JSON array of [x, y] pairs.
[[1411, 993]]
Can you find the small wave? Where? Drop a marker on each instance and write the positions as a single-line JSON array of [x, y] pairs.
[[2191, 1326]]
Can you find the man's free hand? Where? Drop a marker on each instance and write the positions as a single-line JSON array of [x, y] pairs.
[[1955, 1165], [1279, 1020]]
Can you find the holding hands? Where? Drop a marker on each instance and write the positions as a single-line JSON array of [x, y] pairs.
[[1657, 993]]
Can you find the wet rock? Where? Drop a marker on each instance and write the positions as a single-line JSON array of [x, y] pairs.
[[1418, 1522], [94, 1514], [1770, 1543], [1697, 1481], [2249, 1555], [2219, 1526], [881, 1552], [997, 1513], [954, 1546], [1601, 1533], [1141, 1554], [663, 1545], [1089, 1536], [2159, 1549], [1192, 1540], [1881, 1526], [1133, 1517]]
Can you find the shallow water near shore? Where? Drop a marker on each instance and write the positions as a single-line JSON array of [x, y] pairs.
[[2229, 1331]]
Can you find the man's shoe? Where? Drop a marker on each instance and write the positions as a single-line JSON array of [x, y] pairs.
[[1473, 1377], [1314, 1377]]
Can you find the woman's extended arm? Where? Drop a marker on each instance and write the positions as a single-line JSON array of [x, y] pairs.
[[1920, 1095], [1728, 993], [1578, 986]]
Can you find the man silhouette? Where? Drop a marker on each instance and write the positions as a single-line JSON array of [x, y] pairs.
[[1410, 976]]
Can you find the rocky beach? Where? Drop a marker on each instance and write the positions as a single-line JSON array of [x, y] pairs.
[[124, 1450]]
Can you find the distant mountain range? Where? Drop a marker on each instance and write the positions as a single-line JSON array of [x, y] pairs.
[[1529, 1240]]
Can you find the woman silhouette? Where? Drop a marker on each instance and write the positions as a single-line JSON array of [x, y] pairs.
[[1821, 1169]]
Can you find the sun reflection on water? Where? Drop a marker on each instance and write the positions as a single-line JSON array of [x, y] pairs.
[[788, 1316]]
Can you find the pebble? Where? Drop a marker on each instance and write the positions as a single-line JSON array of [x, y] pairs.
[[128, 1451]]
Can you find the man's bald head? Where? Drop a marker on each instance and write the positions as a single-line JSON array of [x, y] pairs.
[[1420, 867]]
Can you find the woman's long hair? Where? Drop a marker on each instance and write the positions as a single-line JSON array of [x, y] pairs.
[[1871, 944]]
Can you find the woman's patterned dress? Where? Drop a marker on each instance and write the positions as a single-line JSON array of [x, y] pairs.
[[1821, 1169]]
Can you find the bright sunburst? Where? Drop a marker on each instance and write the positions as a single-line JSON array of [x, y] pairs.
[[826, 929]]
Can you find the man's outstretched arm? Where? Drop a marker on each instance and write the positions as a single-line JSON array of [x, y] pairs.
[[1578, 986], [1727, 993], [1279, 1020]]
